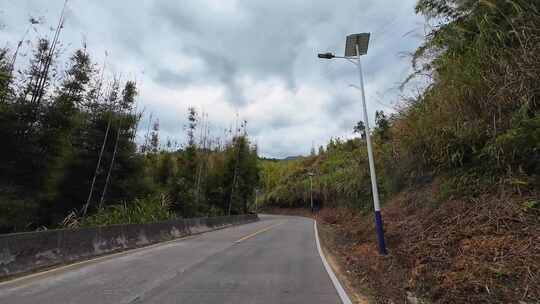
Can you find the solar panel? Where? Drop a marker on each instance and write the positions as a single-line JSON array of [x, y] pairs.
[[362, 40]]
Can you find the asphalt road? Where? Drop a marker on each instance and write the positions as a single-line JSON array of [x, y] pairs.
[[274, 260]]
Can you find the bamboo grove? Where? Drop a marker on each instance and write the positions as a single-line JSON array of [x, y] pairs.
[[71, 157]]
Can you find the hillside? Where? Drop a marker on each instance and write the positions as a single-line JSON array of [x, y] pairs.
[[463, 250], [458, 168]]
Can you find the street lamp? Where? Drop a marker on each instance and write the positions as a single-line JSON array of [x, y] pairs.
[[311, 174], [357, 45]]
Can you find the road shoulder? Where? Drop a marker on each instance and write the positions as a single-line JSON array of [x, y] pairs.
[[357, 294]]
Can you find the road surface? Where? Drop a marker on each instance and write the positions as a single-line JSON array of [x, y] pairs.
[[274, 260]]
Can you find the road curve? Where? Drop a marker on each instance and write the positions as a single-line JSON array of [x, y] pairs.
[[274, 260]]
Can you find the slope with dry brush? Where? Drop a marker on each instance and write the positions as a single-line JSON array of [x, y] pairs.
[[480, 250]]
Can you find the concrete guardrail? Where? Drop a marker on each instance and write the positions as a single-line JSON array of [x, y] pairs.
[[30, 251]]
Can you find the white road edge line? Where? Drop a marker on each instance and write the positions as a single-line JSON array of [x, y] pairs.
[[341, 292]]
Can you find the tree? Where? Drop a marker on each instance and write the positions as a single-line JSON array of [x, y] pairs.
[[104, 156], [124, 148], [23, 120], [382, 123], [61, 118], [5, 75], [166, 169], [360, 128], [183, 192], [43, 81], [154, 138], [242, 174], [445, 9]]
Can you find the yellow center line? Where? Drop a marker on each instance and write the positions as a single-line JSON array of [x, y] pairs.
[[257, 232]]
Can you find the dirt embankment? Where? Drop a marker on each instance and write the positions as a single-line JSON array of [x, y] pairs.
[[483, 250]]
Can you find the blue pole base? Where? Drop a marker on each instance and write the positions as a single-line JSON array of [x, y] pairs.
[[380, 233]]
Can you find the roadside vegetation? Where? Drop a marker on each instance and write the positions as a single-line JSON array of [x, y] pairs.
[[71, 155], [458, 167]]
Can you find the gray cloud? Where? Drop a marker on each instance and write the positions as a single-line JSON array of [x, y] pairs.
[[256, 58]]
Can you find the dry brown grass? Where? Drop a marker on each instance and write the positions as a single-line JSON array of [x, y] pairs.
[[483, 250]]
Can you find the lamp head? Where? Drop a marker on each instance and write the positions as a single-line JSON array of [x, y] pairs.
[[326, 55]]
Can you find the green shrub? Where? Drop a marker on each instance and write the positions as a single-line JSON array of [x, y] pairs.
[[147, 210]]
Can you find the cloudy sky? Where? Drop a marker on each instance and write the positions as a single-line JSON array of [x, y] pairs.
[[254, 58]]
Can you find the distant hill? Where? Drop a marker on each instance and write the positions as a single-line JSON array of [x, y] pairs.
[[281, 159], [293, 157]]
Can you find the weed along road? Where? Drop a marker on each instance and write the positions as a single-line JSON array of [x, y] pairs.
[[274, 260]]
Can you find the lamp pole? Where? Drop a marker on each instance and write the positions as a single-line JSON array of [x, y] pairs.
[[356, 46], [376, 204]]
